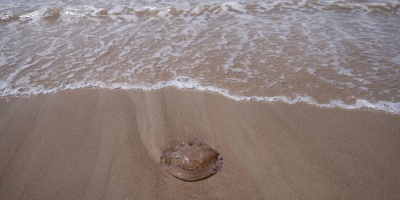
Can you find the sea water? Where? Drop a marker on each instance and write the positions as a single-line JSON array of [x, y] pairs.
[[340, 53]]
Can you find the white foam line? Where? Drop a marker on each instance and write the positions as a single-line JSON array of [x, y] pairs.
[[183, 82], [191, 84]]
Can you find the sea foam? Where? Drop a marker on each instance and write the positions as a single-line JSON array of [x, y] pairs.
[[328, 54]]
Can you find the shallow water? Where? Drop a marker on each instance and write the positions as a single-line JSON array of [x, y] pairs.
[[334, 54]]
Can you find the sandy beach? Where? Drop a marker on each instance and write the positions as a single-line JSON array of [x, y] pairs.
[[105, 144]]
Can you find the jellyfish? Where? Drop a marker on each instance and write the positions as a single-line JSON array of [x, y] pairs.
[[191, 161]]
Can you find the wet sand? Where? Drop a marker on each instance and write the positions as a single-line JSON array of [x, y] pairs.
[[105, 144]]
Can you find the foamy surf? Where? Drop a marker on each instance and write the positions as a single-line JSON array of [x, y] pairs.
[[330, 54]]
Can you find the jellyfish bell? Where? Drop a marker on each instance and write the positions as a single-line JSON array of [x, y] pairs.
[[191, 161]]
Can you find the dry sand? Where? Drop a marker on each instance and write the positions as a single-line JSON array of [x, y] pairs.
[[103, 144]]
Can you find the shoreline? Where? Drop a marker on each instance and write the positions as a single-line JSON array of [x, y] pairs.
[[357, 104], [96, 143]]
